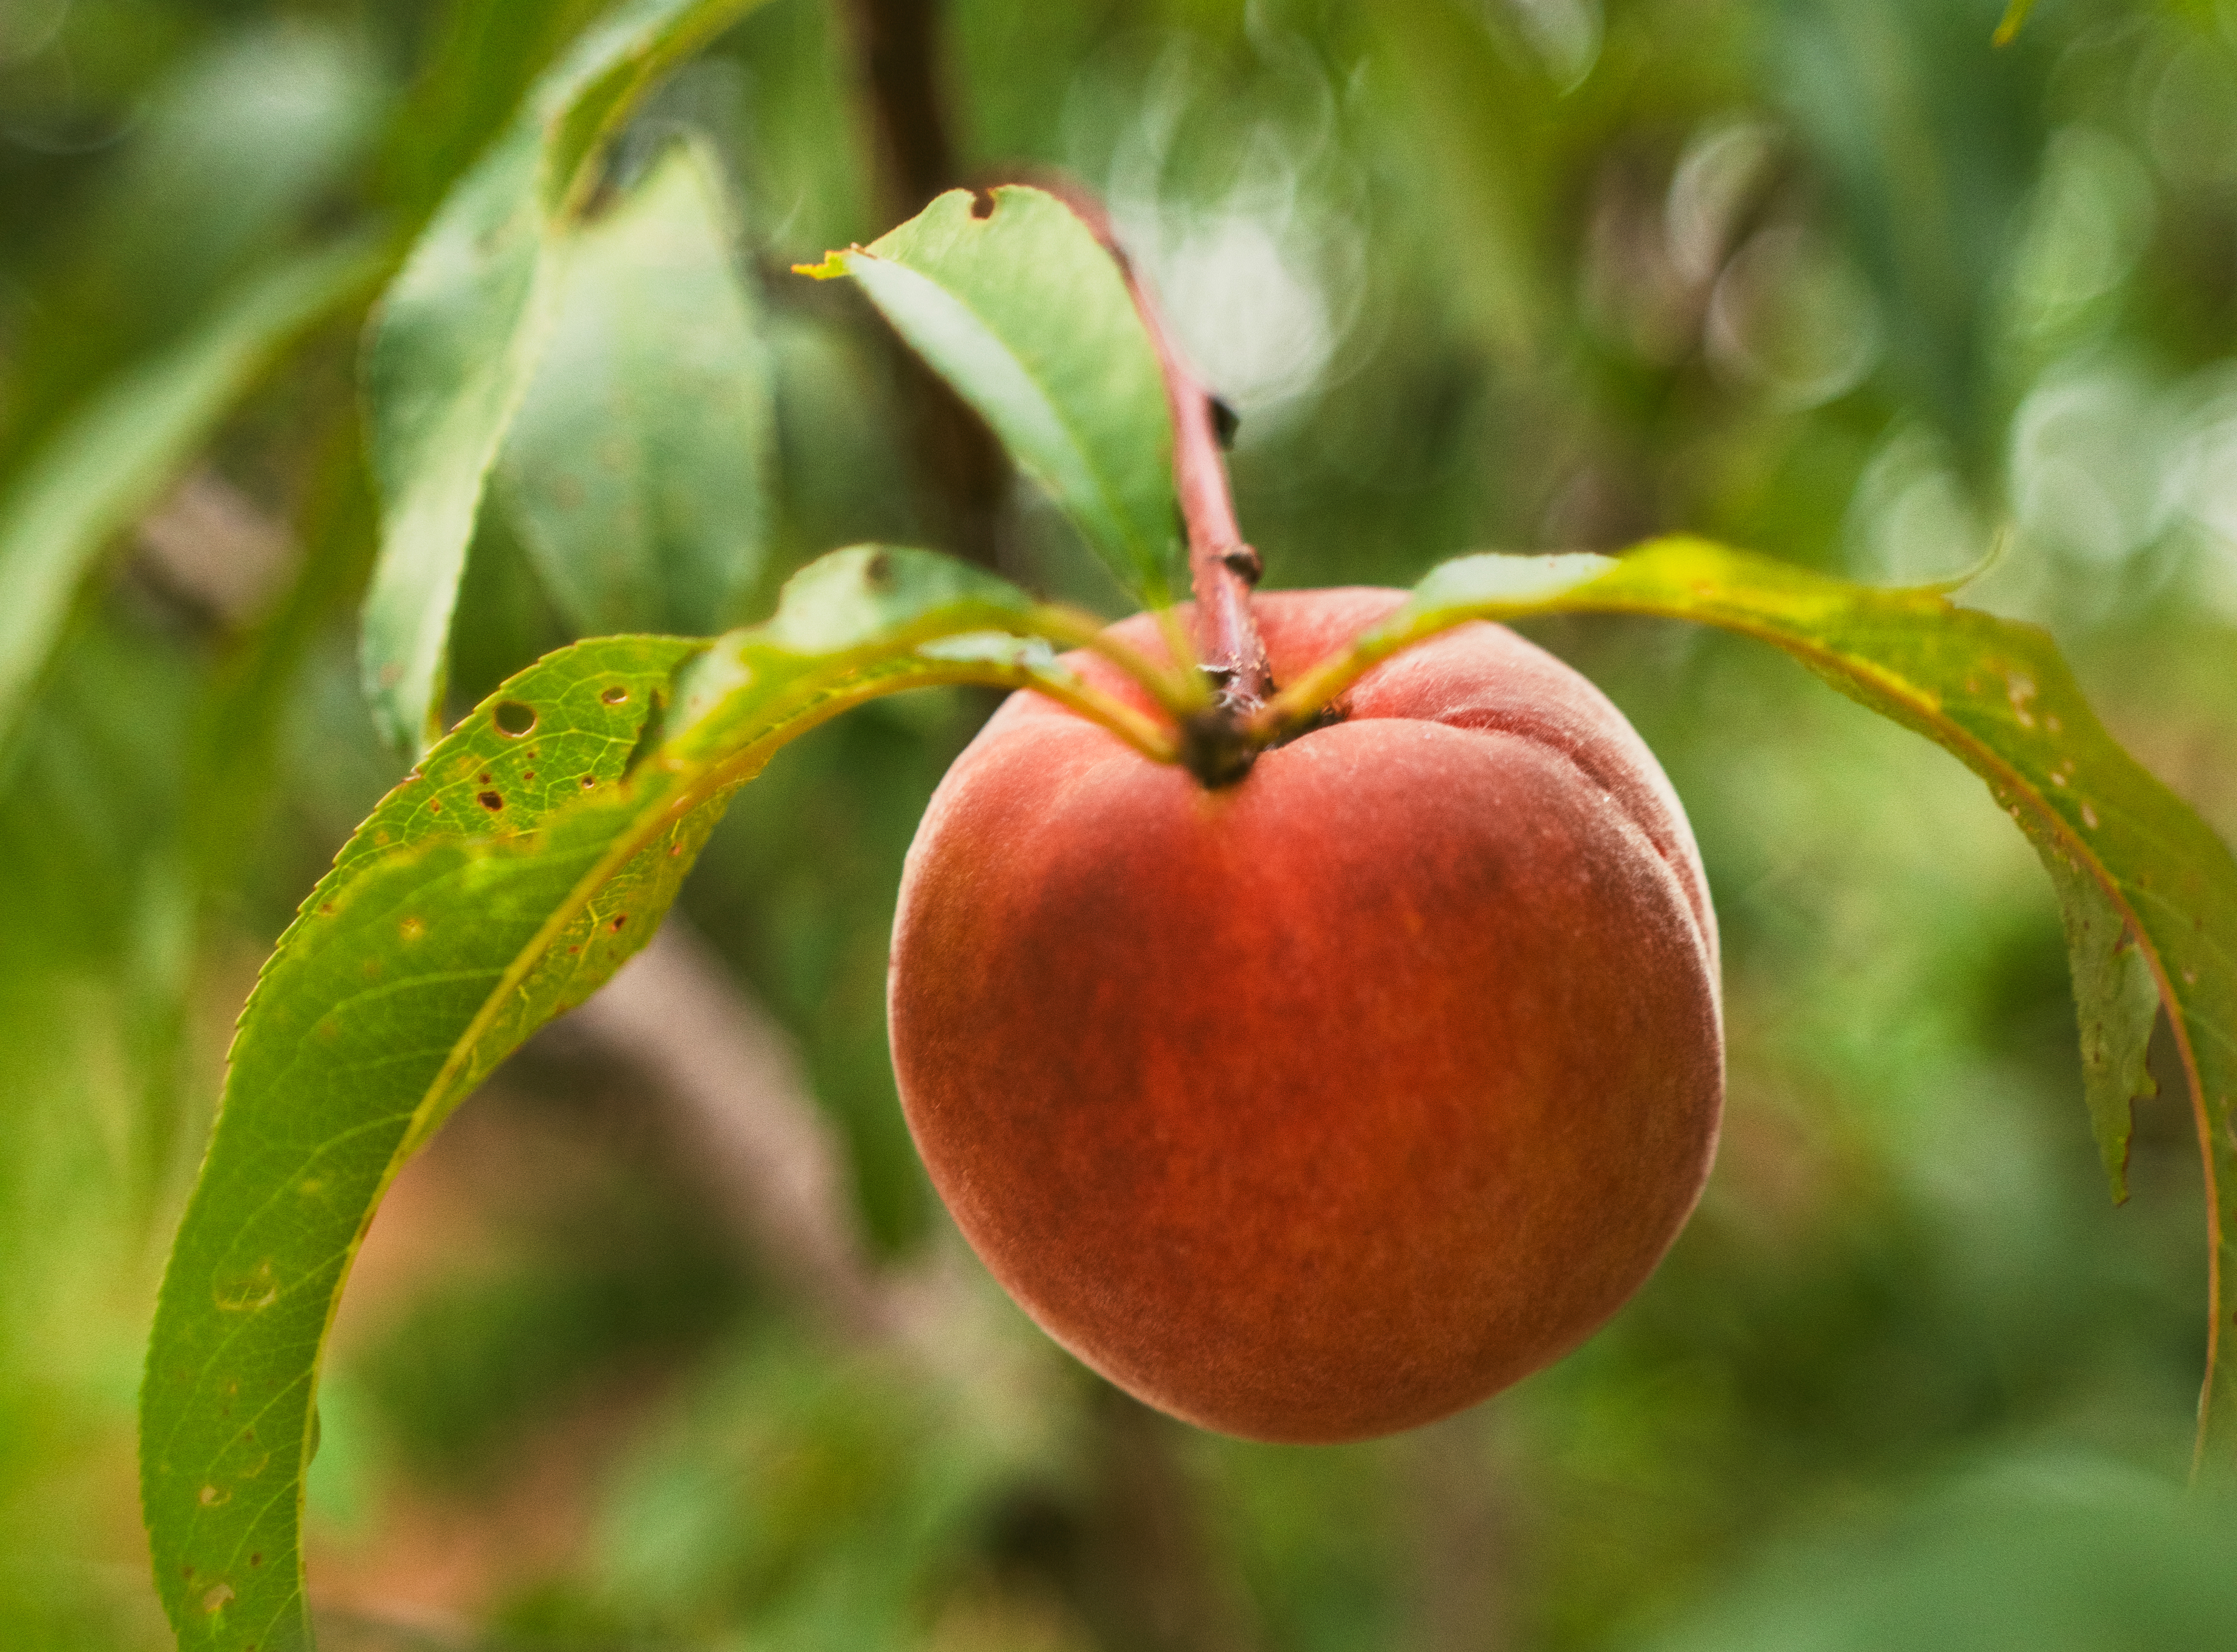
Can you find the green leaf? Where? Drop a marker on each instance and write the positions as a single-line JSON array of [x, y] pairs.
[[2149, 892], [533, 850], [2117, 1000], [107, 464], [637, 472], [457, 335], [1027, 315]]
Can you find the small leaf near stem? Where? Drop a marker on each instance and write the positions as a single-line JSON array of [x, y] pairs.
[[1171, 688], [1176, 691], [1517, 586], [1146, 735], [1222, 568]]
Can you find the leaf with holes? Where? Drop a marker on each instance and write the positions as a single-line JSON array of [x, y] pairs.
[[2150, 892], [107, 465], [637, 470], [535, 848], [459, 333], [1027, 315]]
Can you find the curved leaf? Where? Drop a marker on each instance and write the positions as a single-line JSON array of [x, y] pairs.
[[107, 465], [2149, 891], [534, 849], [457, 335], [1027, 315], [636, 471]]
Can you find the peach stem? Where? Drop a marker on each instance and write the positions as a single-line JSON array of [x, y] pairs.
[[1217, 744], [1221, 567]]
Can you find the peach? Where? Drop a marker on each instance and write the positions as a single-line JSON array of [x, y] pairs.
[[1327, 1103]]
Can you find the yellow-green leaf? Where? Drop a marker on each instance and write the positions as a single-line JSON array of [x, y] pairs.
[[533, 850]]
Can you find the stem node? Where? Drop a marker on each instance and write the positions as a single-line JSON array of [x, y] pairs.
[[1215, 747], [1244, 562]]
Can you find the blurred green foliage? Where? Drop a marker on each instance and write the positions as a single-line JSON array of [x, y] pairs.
[[1833, 278]]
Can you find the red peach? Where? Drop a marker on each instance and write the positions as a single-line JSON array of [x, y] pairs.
[[1329, 1102]]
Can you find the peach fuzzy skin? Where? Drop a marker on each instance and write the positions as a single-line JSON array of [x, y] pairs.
[[1328, 1103]]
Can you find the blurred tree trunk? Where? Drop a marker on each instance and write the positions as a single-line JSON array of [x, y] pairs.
[[1152, 1577], [962, 476], [1459, 1527]]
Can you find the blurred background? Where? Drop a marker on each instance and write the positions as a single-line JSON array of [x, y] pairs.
[[1831, 279]]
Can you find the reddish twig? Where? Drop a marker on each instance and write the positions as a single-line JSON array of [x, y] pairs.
[[1223, 569], [1223, 566]]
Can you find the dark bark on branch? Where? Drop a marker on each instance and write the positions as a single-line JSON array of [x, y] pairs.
[[961, 467]]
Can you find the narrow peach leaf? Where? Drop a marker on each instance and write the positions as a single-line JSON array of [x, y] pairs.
[[457, 337], [535, 847]]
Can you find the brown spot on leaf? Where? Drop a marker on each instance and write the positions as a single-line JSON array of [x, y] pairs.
[[615, 695], [491, 800]]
